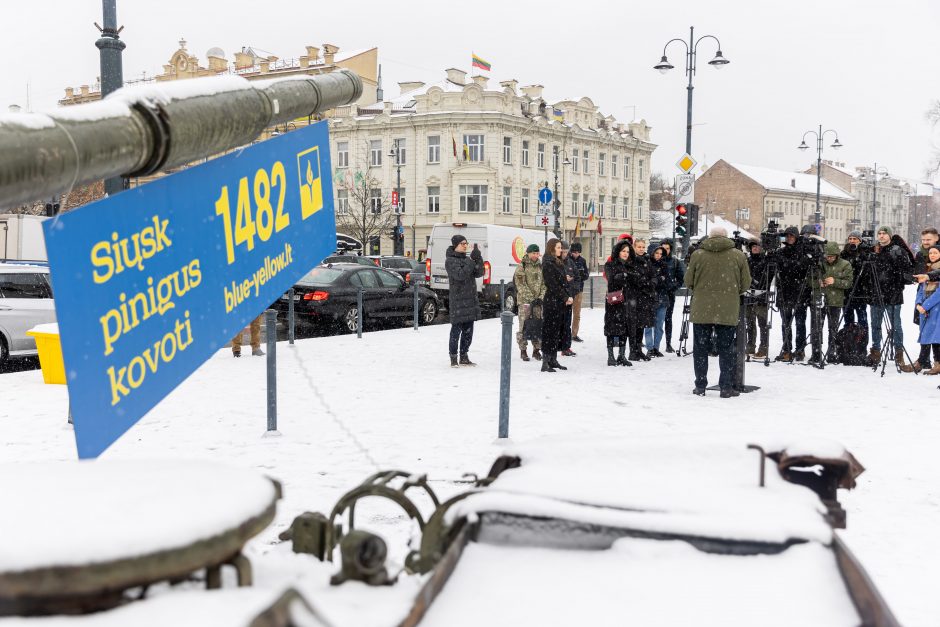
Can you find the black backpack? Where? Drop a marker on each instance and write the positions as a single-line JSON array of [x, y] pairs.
[[852, 345]]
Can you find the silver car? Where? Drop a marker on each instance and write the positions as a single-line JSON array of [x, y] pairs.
[[25, 301]]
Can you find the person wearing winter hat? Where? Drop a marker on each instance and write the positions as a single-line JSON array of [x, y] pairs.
[[833, 279], [857, 299], [927, 306], [578, 264], [675, 271], [463, 305], [530, 290], [792, 297], [570, 276], [893, 265]]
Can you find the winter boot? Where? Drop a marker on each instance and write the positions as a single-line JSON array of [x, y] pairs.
[[257, 352], [874, 356], [554, 362], [729, 393], [799, 355], [611, 360], [914, 367], [453, 361], [669, 348], [537, 355], [465, 360], [784, 356], [899, 358], [623, 361], [749, 350], [761, 353], [935, 369], [547, 364], [524, 355], [655, 353], [568, 352]]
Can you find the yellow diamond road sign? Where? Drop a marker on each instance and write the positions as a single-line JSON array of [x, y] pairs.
[[686, 163]]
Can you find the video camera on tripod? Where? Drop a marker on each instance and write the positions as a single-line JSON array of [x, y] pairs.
[[811, 246], [771, 237]]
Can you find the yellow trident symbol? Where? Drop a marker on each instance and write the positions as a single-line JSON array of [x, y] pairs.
[[311, 188]]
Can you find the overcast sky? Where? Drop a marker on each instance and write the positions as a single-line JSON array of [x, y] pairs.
[[866, 69]]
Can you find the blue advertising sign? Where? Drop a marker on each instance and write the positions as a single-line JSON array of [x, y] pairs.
[[545, 196], [151, 282]]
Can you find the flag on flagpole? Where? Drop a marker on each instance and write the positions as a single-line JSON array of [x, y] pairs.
[[466, 152], [454, 139], [577, 229], [591, 211], [558, 115], [480, 63]]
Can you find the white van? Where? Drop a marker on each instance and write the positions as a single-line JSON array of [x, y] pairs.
[[503, 247]]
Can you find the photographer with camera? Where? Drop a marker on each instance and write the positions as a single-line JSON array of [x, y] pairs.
[[756, 313], [792, 297], [893, 265], [856, 252], [830, 283]]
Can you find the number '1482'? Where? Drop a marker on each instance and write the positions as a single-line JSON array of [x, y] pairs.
[[255, 216]]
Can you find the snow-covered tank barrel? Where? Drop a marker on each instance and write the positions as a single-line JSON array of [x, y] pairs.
[[140, 130]]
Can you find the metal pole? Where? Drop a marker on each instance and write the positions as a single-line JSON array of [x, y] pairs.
[[270, 324], [399, 237], [414, 287], [591, 282], [690, 70], [874, 199], [505, 366], [818, 171], [290, 316], [112, 73], [502, 294], [359, 313]]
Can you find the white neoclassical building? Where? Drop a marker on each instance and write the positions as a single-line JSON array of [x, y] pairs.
[[472, 153]]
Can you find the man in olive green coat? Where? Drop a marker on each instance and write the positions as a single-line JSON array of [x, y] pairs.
[[717, 275], [530, 287], [830, 282]]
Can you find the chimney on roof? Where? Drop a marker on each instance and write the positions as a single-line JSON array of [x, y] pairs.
[[458, 77], [265, 66], [243, 60], [313, 53], [511, 84], [69, 92], [482, 81], [84, 90], [793, 183], [329, 51], [533, 91], [407, 86]]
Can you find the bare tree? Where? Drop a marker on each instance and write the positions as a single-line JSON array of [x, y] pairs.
[[367, 213], [933, 116], [661, 223], [661, 191]]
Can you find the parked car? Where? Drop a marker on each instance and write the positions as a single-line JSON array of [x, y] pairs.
[[25, 301], [503, 248], [408, 268], [328, 295], [359, 259]]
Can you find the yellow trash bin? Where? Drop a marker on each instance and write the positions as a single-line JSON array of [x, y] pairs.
[[50, 352]]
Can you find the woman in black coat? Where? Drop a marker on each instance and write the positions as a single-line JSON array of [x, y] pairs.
[[621, 274], [642, 298], [553, 307]]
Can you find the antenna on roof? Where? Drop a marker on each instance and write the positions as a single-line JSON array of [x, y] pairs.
[[379, 92]]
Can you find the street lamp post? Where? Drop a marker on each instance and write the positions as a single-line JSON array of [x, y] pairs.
[[690, 57], [398, 242], [820, 135], [557, 203], [874, 193], [112, 72]]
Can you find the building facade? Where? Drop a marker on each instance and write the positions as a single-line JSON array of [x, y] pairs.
[[472, 153], [751, 196]]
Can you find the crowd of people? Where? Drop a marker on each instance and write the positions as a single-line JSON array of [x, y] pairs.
[[853, 290]]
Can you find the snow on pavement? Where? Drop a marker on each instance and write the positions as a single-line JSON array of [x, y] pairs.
[[394, 390]]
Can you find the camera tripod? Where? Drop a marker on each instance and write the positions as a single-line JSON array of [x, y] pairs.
[[887, 346], [768, 279], [684, 328]]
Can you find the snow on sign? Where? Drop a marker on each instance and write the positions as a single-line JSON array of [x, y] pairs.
[[151, 282]]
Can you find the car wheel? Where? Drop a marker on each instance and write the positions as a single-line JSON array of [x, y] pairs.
[[428, 312], [509, 303], [4, 351], [351, 319]]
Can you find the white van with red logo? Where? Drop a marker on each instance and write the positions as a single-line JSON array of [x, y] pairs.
[[503, 248]]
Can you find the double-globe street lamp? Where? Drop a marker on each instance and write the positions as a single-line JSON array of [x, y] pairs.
[[874, 192], [691, 50], [820, 136], [558, 204]]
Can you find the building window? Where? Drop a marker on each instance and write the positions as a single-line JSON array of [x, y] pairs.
[[639, 206], [639, 169], [375, 153], [601, 163], [525, 200], [540, 157], [586, 161], [574, 161], [434, 149], [525, 152], [600, 202], [613, 166], [555, 158], [626, 208], [507, 150], [375, 200], [401, 157], [474, 146], [507, 200], [613, 206], [434, 199], [574, 204], [626, 167], [342, 202], [473, 198], [584, 205], [342, 154]]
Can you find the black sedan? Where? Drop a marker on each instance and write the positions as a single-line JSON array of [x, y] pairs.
[[327, 295]]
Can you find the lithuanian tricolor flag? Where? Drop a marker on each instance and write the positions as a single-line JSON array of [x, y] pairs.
[[480, 63]]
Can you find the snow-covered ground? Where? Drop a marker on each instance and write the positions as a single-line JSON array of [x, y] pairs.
[[407, 409]]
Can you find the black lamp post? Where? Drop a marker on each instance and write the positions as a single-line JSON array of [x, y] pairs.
[[691, 49], [874, 192], [557, 203], [112, 73], [398, 241], [820, 136]]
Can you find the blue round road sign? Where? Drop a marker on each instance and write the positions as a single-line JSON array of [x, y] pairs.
[[545, 196]]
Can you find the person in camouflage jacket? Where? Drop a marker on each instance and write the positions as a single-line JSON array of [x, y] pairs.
[[833, 278], [530, 289]]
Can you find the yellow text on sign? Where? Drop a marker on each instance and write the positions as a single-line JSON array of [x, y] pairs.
[[266, 220], [311, 186]]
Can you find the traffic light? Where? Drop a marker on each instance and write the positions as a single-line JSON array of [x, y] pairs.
[[681, 220], [693, 220]]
